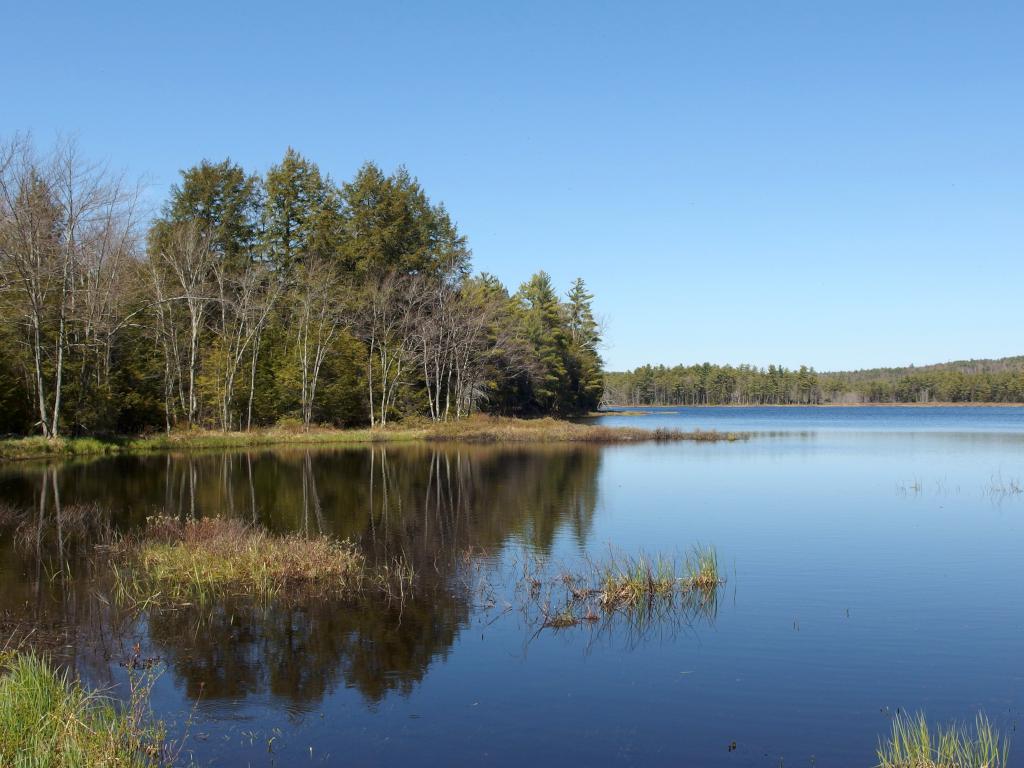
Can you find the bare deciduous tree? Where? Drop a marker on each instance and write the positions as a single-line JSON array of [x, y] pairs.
[[66, 229], [386, 321], [244, 303], [180, 277], [319, 300]]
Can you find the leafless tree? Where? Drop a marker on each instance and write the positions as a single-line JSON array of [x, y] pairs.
[[181, 275], [319, 300], [386, 320], [244, 303], [66, 229]]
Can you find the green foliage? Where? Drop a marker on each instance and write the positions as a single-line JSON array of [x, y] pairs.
[[545, 327], [390, 224], [49, 721], [706, 384], [224, 199], [915, 744], [301, 213], [218, 323]]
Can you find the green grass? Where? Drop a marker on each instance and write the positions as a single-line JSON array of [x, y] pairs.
[[49, 721], [476, 429], [197, 561], [630, 581], [13, 449], [914, 744], [642, 588]]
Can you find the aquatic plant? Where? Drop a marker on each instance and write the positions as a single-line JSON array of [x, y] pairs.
[[915, 744], [642, 588], [175, 561], [48, 720], [629, 581]]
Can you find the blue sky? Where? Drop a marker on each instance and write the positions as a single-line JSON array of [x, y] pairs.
[[839, 184]]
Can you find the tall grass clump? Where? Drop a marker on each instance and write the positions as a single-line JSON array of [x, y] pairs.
[[48, 720], [914, 744], [174, 562], [702, 568], [629, 581], [642, 588]]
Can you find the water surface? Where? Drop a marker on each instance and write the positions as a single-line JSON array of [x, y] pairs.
[[872, 557]]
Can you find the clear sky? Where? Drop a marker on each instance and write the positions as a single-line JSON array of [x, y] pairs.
[[833, 183]]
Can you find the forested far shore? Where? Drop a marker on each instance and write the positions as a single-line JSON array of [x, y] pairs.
[[964, 381], [256, 301]]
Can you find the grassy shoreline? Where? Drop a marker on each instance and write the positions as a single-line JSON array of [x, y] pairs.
[[47, 718], [477, 429]]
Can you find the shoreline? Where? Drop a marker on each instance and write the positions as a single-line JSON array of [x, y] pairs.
[[638, 409], [477, 429]]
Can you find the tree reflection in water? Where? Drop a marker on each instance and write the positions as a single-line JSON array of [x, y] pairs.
[[428, 504]]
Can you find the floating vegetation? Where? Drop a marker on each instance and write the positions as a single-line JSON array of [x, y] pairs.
[[48, 720], [914, 744], [174, 562]]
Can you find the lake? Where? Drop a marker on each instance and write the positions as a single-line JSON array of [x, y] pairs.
[[872, 559]]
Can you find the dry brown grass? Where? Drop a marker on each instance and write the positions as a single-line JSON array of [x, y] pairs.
[[174, 562], [480, 429]]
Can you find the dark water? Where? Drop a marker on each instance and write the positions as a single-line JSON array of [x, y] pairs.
[[873, 559]]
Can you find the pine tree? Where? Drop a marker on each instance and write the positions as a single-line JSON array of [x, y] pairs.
[[586, 380], [225, 200], [545, 329], [301, 213]]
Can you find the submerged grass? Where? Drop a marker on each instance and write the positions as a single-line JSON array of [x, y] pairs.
[[174, 562], [473, 429], [631, 581], [48, 720], [914, 744], [640, 588]]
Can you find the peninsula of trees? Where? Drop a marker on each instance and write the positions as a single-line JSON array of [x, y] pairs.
[[256, 300], [965, 381]]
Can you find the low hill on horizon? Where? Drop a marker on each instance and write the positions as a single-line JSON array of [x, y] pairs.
[[986, 380]]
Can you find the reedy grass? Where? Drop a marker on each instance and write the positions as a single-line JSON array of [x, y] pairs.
[[914, 744], [48, 720], [474, 429], [199, 561], [641, 587], [630, 581]]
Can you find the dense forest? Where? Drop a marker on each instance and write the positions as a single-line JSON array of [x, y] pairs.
[[254, 300], [967, 381]]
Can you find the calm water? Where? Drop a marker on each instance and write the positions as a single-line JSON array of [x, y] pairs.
[[873, 559]]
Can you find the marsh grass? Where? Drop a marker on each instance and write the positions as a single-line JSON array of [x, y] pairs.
[[42, 447], [914, 744], [474, 429], [48, 720], [630, 581], [641, 588], [198, 561], [485, 429], [70, 525]]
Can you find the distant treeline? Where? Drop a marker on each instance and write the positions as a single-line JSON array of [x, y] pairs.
[[970, 381], [252, 300]]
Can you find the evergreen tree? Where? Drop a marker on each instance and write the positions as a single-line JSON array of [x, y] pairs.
[[391, 226], [586, 379], [545, 329], [225, 200], [301, 213]]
